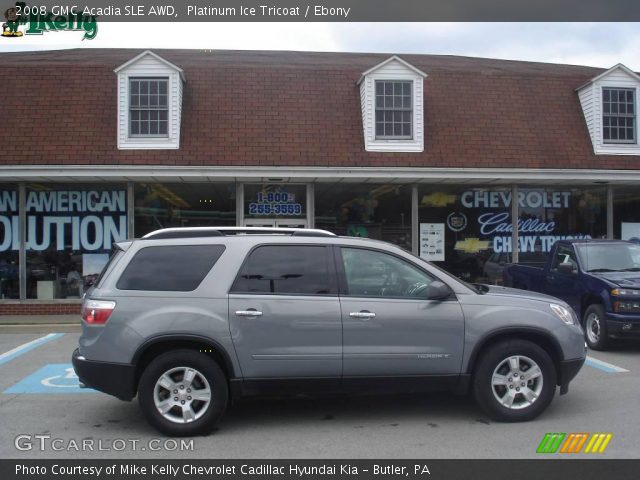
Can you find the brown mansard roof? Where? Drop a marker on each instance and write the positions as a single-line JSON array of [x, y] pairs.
[[298, 108]]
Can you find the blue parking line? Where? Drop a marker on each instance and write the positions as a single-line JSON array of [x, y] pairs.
[[604, 366], [22, 349]]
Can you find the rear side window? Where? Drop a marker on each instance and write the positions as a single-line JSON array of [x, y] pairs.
[[171, 268], [287, 270], [113, 260]]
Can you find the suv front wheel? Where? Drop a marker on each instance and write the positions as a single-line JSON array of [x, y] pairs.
[[183, 393], [515, 381]]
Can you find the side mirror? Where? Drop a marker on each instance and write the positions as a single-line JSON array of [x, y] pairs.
[[438, 291], [566, 268]]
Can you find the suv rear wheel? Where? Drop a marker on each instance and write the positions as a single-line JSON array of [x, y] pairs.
[[515, 381], [183, 393]]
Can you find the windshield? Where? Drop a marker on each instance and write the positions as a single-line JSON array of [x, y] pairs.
[[609, 257]]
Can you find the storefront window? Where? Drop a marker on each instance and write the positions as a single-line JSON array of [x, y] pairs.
[[468, 230], [275, 201], [463, 229], [558, 213], [626, 213], [70, 231], [9, 242], [165, 205], [380, 211]]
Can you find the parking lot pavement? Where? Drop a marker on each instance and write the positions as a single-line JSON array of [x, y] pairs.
[[407, 426]]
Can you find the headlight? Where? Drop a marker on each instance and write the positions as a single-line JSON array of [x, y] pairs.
[[625, 292], [563, 313]]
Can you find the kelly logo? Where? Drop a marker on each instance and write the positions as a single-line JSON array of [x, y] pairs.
[[574, 443], [38, 20]]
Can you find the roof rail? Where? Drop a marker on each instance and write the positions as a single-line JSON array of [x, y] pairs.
[[200, 232]]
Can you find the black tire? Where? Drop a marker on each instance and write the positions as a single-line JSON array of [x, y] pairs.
[[594, 319], [203, 364], [495, 356]]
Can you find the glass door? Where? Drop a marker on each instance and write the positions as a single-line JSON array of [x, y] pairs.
[[260, 222], [272, 222]]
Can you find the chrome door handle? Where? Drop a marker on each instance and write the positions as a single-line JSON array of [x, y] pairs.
[[248, 313], [363, 315]]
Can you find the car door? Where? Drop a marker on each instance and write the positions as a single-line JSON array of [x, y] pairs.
[[564, 285], [390, 328], [284, 313]]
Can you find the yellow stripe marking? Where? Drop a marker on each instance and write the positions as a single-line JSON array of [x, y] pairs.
[[590, 444], [596, 445], [606, 442]]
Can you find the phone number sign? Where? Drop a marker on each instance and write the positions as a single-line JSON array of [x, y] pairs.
[[275, 203]]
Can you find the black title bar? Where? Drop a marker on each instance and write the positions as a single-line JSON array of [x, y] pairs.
[[339, 10], [418, 469]]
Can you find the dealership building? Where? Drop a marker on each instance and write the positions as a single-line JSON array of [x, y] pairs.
[[457, 159]]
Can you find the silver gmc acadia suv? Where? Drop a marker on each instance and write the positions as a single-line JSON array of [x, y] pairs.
[[188, 319]]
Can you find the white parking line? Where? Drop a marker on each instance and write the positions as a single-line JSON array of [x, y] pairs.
[[24, 348], [604, 366]]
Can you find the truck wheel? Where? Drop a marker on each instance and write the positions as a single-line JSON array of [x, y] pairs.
[[595, 327], [514, 381], [183, 393]]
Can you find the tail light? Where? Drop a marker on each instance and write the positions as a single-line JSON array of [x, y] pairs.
[[97, 312]]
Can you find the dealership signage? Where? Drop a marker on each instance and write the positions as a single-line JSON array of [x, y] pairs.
[[88, 220], [535, 234], [40, 20]]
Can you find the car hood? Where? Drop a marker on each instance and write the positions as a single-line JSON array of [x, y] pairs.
[[622, 279], [495, 290]]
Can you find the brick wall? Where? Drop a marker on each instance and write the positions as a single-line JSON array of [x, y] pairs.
[[16, 308]]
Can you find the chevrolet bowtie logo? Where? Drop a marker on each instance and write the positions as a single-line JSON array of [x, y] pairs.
[[471, 245], [438, 199], [574, 443]]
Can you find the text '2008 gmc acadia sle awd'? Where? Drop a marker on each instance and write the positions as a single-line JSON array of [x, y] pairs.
[[188, 318]]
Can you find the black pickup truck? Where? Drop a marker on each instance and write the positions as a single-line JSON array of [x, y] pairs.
[[600, 279]]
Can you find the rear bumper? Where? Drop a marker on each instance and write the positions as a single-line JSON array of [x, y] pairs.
[[568, 371], [117, 379]]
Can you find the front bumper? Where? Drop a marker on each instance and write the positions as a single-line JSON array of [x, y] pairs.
[[117, 379], [568, 371], [623, 325]]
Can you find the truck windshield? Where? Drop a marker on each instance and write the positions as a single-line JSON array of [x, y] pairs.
[[609, 257]]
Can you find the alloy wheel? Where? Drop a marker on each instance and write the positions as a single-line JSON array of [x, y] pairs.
[[517, 382], [182, 395]]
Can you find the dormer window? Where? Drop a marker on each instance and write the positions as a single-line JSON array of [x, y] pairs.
[[608, 104], [394, 110], [618, 115], [148, 107], [149, 103], [392, 99]]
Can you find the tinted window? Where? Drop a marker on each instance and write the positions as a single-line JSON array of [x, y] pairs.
[[178, 268], [377, 274], [297, 270]]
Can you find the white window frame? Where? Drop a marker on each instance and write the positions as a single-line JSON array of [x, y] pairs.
[[634, 140], [384, 109], [129, 109]]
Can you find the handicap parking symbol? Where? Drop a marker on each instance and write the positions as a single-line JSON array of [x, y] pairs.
[[52, 378]]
